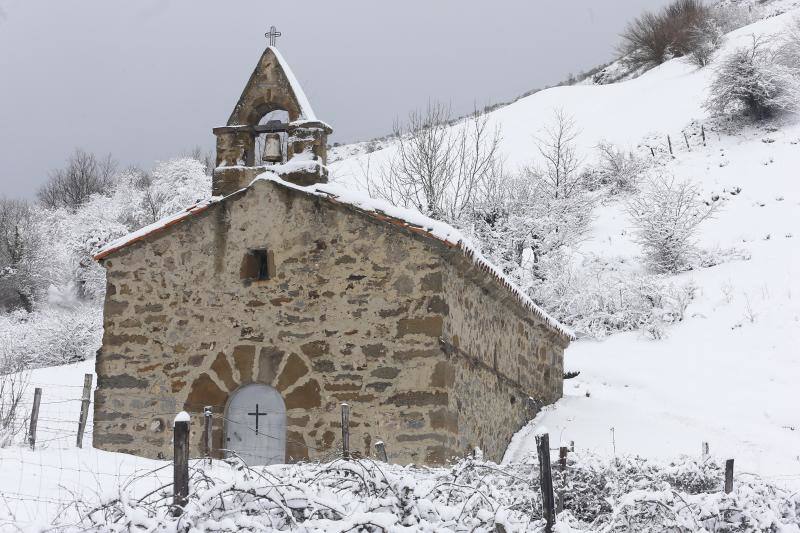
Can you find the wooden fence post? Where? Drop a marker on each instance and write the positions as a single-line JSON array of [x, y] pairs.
[[685, 138], [562, 463], [669, 141], [85, 400], [728, 476], [207, 440], [652, 151], [546, 481], [180, 463], [345, 431], [380, 447], [705, 450], [703, 133], [37, 399]]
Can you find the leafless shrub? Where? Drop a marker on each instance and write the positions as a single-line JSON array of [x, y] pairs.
[[754, 80], [789, 44], [620, 170], [13, 385], [84, 175], [654, 38], [704, 40], [438, 167], [729, 17], [666, 215]]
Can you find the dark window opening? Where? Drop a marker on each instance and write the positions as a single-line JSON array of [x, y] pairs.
[[258, 265]]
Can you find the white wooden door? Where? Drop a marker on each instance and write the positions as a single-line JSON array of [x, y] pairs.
[[255, 425]]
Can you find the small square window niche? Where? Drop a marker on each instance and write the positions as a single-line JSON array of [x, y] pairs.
[[258, 265]]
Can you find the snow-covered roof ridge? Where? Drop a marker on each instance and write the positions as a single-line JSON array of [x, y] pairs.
[[410, 219], [306, 110]]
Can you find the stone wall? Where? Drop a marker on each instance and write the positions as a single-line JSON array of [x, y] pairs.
[[507, 363], [359, 310]]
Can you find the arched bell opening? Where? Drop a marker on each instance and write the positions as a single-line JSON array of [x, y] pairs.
[[271, 144], [255, 425]]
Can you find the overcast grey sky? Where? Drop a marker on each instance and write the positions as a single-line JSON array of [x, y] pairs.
[[148, 79]]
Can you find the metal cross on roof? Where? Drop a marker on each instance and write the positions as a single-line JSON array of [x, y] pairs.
[[273, 35]]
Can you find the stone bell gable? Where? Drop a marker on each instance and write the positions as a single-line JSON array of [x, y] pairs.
[[434, 355], [300, 141]]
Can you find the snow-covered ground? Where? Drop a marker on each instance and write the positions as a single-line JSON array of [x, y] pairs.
[[36, 484]]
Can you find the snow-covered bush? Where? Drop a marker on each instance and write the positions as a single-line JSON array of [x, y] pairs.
[[754, 80], [600, 297], [666, 215], [24, 266], [51, 336], [619, 170], [175, 185], [705, 39], [729, 16], [600, 495], [789, 44], [524, 227]]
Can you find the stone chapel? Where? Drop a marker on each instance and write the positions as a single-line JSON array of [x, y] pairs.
[[282, 296]]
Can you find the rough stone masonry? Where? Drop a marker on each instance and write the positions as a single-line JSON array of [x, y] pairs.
[[434, 353]]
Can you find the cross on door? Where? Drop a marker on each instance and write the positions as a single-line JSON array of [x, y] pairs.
[[257, 414]]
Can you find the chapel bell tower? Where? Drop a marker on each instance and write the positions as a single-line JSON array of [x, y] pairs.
[[272, 127]]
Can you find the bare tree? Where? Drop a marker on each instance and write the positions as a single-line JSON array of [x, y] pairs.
[[84, 175], [440, 164], [666, 215], [560, 176]]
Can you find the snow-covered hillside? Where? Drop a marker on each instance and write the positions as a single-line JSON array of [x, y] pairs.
[[727, 374]]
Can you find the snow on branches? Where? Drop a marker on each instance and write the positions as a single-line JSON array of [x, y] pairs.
[[666, 215], [757, 80], [623, 494]]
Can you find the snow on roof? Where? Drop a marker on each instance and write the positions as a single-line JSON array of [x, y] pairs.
[[306, 110], [409, 219], [155, 227]]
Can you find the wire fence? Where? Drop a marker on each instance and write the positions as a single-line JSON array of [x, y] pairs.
[[43, 484]]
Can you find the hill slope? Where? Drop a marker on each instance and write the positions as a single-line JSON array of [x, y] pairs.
[[728, 372]]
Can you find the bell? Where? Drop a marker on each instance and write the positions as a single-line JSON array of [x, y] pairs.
[[272, 148]]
